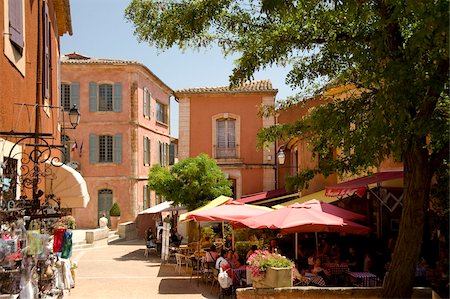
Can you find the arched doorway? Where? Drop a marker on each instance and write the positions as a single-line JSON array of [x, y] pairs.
[[105, 201]]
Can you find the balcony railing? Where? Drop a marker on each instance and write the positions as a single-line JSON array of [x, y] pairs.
[[226, 152]]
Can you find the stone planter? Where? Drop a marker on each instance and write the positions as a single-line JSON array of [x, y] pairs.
[[114, 222], [274, 278]]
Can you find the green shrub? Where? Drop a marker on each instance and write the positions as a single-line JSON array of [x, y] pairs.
[[115, 210]]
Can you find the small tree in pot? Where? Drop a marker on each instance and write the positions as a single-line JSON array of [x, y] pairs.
[[114, 212]]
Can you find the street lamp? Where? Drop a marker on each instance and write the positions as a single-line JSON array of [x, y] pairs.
[[74, 116], [281, 156]]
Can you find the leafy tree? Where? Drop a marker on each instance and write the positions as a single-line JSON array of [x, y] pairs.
[[191, 182], [395, 53]]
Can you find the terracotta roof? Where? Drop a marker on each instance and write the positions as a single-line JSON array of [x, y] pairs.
[[250, 86], [77, 58]]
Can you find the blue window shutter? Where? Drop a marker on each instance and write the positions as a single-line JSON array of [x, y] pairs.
[[117, 148], [145, 102], [93, 145], [16, 24], [145, 150], [75, 94], [118, 97], [92, 96]]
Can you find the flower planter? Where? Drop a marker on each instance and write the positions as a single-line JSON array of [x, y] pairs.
[[274, 278]]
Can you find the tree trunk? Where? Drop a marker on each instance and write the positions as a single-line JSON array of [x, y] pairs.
[[417, 180]]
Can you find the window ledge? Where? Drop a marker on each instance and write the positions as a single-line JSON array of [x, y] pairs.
[[162, 124], [229, 160]]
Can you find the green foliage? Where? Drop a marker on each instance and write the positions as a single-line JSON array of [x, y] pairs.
[[191, 182], [208, 231], [395, 54], [69, 222], [115, 210]]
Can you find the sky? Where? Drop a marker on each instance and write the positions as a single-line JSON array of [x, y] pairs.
[[101, 31]]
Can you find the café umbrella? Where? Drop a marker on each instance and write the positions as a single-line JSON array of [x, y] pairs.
[[303, 218]]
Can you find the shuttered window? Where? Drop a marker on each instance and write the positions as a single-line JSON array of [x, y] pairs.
[[146, 197], [226, 138], [15, 15], [70, 95], [147, 103], [163, 153], [105, 97], [105, 148], [147, 151]]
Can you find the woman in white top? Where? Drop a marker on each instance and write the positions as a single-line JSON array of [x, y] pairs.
[[221, 260]]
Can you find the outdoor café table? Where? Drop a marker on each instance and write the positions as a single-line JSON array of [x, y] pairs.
[[365, 279], [309, 278], [336, 268]]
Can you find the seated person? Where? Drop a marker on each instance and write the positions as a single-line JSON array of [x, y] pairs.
[[221, 261], [251, 251], [354, 260], [273, 247], [211, 255], [232, 258], [174, 238], [150, 238], [319, 271]]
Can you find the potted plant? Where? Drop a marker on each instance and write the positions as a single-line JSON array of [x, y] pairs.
[[270, 270], [114, 213]]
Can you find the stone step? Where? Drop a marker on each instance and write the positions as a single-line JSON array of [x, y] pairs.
[[81, 245]]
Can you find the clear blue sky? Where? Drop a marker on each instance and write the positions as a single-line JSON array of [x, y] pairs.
[[101, 31]]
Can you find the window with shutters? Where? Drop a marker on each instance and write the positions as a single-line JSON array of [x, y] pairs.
[[147, 151], [15, 14], [14, 33], [146, 202], [147, 103], [163, 151], [226, 138], [65, 96], [105, 149], [161, 113], [105, 97]]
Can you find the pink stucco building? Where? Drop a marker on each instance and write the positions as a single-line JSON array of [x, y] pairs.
[[124, 129], [223, 122]]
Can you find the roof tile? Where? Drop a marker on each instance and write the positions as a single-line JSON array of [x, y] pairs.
[[249, 86]]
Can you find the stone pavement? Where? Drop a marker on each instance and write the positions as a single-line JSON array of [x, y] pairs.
[[120, 270]]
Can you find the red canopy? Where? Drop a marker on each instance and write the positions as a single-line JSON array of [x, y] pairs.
[[230, 211], [303, 218], [359, 186]]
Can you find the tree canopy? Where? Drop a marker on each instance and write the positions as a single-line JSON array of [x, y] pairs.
[[191, 182], [395, 54]]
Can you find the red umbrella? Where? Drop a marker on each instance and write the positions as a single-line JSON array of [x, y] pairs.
[[231, 211], [333, 210], [304, 218]]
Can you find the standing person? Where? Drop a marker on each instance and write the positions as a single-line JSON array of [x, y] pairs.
[[103, 221], [221, 261], [252, 250], [212, 254]]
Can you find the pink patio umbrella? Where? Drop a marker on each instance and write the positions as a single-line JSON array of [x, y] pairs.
[[333, 210], [303, 218], [231, 211]]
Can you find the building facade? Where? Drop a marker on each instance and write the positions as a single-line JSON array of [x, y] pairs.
[[124, 129], [223, 122], [29, 89]]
